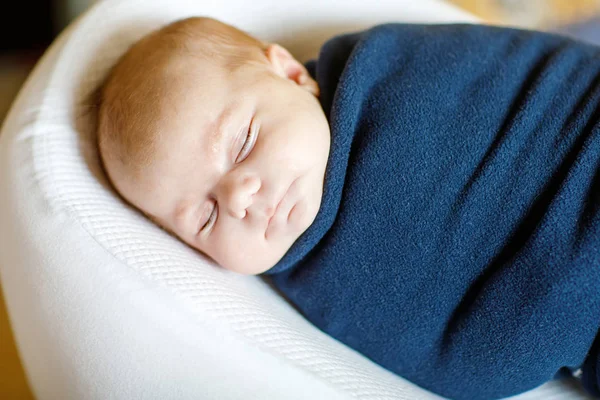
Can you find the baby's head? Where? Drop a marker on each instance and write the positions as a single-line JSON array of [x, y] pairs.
[[217, 137]]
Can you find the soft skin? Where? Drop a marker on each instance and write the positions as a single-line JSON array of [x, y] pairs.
[[239, 158]]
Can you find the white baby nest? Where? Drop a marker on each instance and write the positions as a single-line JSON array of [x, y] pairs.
[[104, 304]]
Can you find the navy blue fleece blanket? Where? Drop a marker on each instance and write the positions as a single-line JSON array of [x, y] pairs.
[[458, 239]]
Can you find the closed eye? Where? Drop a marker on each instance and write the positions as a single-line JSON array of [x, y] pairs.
[[211, 220], [248, 144]]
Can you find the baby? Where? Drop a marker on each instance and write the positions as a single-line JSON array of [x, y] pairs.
[[219, 138], [426, 195]]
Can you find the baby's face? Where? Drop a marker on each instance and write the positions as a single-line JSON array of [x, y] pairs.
[[240, 166]]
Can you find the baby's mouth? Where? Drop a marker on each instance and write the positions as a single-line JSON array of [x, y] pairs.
[[278, 208]]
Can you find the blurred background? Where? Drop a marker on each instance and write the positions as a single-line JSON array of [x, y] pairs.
[[31, 25], [28, 26], [533, 13]]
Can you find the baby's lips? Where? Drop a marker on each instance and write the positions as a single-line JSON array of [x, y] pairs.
[[273, 224], [279, 220], [295, 215]]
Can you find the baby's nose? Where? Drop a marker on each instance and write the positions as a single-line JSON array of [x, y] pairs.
[[239, 196]]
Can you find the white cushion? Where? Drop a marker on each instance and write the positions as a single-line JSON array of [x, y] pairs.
[[104, 304]]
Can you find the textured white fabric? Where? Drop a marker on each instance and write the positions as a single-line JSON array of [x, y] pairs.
[[104, 304]]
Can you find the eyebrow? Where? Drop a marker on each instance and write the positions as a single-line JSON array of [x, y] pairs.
[[181, 210], [216, 129]]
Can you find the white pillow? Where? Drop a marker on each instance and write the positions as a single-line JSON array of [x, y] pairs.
[[104, 304]]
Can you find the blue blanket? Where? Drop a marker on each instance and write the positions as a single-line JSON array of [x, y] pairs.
[[458, 239]]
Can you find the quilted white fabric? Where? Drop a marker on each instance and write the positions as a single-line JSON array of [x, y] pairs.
[[104, 304]]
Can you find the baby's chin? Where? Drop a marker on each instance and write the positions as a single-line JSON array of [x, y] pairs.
[[249, 267], [262, 260]]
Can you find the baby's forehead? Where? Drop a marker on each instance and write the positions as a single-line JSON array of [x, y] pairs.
[[191, 131]]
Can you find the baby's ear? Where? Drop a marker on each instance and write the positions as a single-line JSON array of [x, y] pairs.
[[286, 66]]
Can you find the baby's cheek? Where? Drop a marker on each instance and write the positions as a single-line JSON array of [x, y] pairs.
[[224, 249], [201, 249]]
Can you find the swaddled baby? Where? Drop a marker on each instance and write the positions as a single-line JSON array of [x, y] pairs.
[[427, 195]]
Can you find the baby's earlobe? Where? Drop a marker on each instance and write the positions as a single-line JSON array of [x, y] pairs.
[[310, 85]]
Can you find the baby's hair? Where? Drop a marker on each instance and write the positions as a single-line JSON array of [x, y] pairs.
[[136, 89]]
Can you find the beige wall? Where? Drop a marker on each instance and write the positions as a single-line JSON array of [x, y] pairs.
[[532, 13]]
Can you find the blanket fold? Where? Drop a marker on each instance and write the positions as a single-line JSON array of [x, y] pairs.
[[458, 239]]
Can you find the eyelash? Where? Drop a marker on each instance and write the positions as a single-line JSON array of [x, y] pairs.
[[250, 137], [211, 218]]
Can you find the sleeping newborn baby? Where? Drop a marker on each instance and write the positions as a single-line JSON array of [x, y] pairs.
[[427, 195], [219, 138]]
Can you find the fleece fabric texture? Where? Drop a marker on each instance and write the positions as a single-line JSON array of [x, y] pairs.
[[458, 239]]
